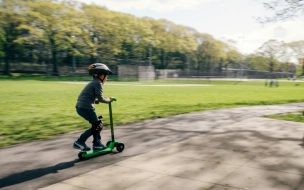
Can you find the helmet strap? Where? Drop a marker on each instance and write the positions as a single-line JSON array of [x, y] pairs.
[[102, 80]]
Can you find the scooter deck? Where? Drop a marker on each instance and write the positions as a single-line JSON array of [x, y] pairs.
[[91, 153], [88, 154]]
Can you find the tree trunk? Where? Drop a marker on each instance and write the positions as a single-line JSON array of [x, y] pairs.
[[54, 57], [7, 70], [219, 69], [271, 65], [92, 59], [163, 59], [208, 66], [54, 61], [7, 67]]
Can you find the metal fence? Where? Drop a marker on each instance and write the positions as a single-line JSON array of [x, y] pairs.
[[229, 73], [144, 72]]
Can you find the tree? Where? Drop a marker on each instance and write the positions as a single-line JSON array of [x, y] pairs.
[[1, 43], [163, 40], [273, 50], [283, 10], [157, 41], [60, 30], [53, 24], [176, 44], [115, 34], [170, 42], [134, 36], [262, 63], [200, 55], [11, 18], [233, 58], [211, 53], [99, 31], [187, 44], [298, 49]]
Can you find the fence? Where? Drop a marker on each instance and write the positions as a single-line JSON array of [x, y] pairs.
[[229, 73], [140, 73], [149, 73]]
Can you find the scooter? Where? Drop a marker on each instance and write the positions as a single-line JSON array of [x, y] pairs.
[[110, 144]]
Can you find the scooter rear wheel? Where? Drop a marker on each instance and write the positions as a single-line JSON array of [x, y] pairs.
[[80, 155], [120, 147]]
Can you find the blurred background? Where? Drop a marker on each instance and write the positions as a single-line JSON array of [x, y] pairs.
[[61, 38]]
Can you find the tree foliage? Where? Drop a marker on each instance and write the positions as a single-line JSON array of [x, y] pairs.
[[11, 19], [297, 47], [272, 50], [283, 10], [53, 32]]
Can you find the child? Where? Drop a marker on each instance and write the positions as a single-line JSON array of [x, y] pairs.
[[85, 106]]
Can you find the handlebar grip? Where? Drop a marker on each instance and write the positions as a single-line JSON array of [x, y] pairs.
[[115, 99]]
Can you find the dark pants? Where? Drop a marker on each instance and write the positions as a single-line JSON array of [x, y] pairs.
[[91, 117]]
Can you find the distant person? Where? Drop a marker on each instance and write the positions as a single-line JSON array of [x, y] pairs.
[[276, 83], [91, 93], [271, 83], [294, 77], [266, 82]]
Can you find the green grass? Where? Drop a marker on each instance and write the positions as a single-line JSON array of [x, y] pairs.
[[296, 117], [31, 109]]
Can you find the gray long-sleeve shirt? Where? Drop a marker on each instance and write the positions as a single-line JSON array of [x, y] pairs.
[[91, 92]]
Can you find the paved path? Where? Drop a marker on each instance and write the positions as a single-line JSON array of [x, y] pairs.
[[220, 149]]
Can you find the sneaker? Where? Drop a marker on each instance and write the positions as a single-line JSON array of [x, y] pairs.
[[99, 146], [81, 146]]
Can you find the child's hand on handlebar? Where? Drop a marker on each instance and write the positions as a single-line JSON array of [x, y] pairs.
[[111, 99]]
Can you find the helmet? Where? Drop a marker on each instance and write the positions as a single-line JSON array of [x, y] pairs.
[[99, 68]]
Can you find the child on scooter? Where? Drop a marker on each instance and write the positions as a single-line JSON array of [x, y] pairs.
[[85, 106]]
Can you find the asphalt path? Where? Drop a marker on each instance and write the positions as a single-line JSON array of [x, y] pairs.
[[45, 162]]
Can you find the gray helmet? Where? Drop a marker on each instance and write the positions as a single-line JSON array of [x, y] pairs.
[[99, 68]]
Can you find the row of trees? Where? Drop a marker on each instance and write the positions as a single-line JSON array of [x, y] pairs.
[[276, 55], [46, 31]]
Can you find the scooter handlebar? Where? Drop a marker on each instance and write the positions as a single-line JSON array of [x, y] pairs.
[[97, 102]]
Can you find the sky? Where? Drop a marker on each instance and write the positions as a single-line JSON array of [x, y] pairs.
[[223, 19]]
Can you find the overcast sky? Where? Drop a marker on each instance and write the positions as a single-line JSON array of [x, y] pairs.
[[223, 19]]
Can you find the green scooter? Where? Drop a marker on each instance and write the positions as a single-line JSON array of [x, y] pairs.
[[110, 144]]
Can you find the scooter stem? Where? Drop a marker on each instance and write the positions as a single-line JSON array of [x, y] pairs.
[[111, 119]]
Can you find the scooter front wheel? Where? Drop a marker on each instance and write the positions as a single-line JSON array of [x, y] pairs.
[[120, 147]]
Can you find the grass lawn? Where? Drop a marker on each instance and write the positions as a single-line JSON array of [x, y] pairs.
[[296, 117], [31, 109]]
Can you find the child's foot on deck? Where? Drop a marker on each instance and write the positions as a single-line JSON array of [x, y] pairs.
[[81, 146]]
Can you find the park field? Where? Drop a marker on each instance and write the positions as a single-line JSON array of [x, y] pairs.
[[32, 110]]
